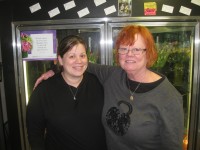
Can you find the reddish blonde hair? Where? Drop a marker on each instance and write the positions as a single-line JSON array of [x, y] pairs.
[[127, 37]]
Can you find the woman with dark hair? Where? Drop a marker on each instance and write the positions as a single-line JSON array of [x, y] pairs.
[[64, 112]]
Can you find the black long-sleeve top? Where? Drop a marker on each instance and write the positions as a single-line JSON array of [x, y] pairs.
[[55, 121]]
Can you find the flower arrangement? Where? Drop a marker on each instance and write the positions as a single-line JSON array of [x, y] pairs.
[[163, 53], [171, 53], [26, 44], [92, 56]]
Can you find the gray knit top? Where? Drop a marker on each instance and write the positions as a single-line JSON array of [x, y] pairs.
[[152, 121]]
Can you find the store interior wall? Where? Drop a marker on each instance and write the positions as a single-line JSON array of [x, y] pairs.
[[22, 12], [19, 10]]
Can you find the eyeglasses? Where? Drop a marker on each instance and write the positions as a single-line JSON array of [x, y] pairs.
[[135, 51]]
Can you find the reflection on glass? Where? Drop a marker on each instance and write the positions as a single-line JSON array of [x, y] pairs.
[[32, 70]]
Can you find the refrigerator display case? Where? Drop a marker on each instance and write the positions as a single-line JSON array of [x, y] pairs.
[[32, 64], [175, 46], [177, 41]]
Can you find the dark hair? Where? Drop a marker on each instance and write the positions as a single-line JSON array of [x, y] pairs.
[[68, 43], [127, 37]]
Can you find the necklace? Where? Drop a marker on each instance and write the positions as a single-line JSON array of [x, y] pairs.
[[74, 94], [66, 80], [132, 93]]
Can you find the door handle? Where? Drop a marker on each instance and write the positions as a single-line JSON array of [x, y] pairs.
[[1, 68]]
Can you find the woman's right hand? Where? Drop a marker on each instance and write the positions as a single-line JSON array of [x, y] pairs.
[[44, 76]]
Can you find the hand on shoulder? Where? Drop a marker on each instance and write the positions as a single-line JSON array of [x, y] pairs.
[[44, 76]]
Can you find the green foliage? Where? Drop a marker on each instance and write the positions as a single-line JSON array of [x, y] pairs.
[[171, 53], [92, 56]]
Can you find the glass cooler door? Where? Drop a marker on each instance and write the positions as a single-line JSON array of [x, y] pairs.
[[175, 45], [31, 67]]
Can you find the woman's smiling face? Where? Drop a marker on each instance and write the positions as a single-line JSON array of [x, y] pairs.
[[134, 62], [74, 61]]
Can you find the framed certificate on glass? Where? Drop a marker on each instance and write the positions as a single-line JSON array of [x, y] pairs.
[[40, 44]]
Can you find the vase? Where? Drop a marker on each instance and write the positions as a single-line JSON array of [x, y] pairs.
[[24, 54]]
